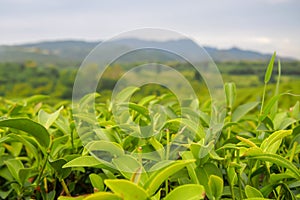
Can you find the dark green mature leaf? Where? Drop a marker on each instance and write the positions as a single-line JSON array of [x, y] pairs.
[[61, 172], [187, 192], [35, 129]]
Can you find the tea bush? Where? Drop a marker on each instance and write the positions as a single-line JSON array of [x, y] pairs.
[[50, 152]]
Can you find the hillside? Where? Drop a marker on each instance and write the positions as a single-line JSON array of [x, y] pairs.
[[75, 51]]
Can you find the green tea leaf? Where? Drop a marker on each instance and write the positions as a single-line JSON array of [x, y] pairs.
[[36, 99], [276, 159], [128, 166], [14, 166], [97, 182], [215, 184], [270, 69], [187, 192], [187, 155], [61, 172], [230, 91], [29, 145], [35, 129], [274, 137], [158, 177], [47, 119], [126, 189], [242, 110], [252, 192], [103, 196], [295, 110], [70, 198], [88, 99], [84, 161], [269, 106], [247, 141], [125, 94]]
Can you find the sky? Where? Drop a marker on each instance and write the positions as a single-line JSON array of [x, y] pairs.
[[261, 25]]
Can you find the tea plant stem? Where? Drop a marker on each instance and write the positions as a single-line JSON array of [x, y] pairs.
[[167, 158], [263, 99], [168, 144], [45, 162], [239, 173], [43, 168], [231, 188], [45, 185], [293, 151], [65, 187]]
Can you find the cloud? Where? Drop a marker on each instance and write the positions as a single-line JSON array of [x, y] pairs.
[[262, 40]]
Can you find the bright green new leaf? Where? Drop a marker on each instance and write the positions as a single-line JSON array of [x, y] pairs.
[[242, 110], [274, 137], [70, 198], [276, 159], [97, 182], [88, 99], [215, 185], [295, 110], [269, 106], [252, 192], [247, 141], [103, 196], [36, 99], [158, 177], [230, 91], [113, 148], [47, 119], [187, 155], [14, 166], [125, 94], [38, 131], [30, 145], [187, 192], [270, 69], [126, 189], [128, 166], [139, 109], [85, 161]]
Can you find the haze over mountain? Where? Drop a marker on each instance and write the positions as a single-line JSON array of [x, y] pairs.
[[76, 51]]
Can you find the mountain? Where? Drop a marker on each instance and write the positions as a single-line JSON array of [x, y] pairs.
[[71, 51]]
